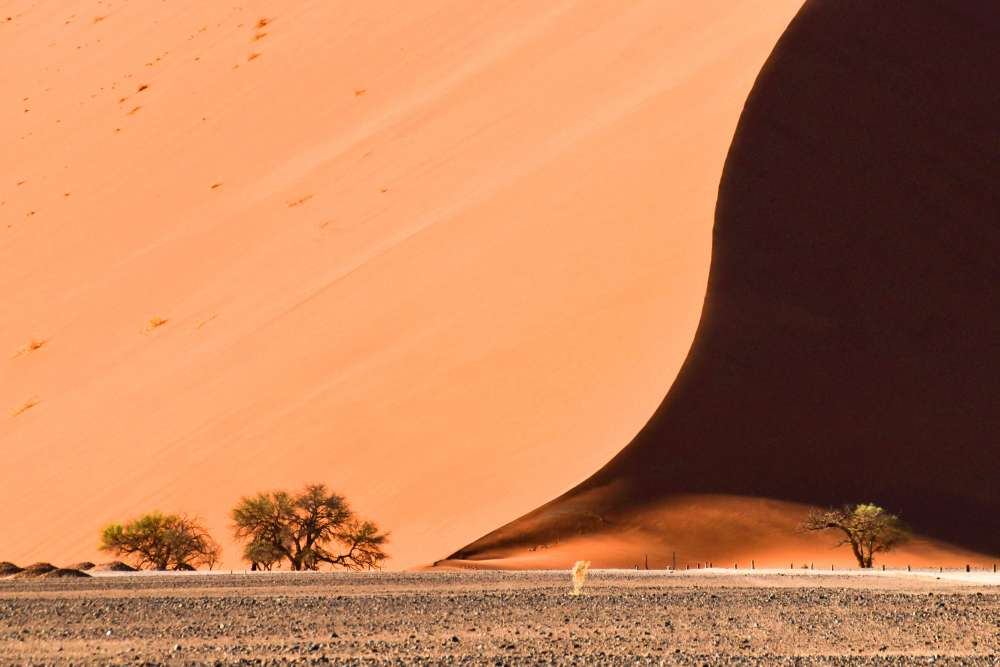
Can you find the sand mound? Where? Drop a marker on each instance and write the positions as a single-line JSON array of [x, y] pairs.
[[65, 573], [847, 350], [83, 566], [114, 566], [7, 568], [35, 570]]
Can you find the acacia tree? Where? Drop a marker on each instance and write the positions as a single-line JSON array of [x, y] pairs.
[[868, 528], [162, 542], [312, 527]]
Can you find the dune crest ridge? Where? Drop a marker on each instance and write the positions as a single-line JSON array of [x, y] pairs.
[[847, 350]]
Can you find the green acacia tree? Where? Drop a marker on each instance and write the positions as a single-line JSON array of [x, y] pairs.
[[162, 542], [307, 529], [866, 527]]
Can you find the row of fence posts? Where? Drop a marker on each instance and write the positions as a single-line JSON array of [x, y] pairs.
[[791, 566]]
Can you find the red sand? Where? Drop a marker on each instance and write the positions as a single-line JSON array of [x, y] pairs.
[[445, 257]]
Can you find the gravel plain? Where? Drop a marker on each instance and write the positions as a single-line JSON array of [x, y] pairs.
[[503, 618]]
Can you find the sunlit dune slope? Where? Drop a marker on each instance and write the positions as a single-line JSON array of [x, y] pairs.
[[443, 256], [848, 348]]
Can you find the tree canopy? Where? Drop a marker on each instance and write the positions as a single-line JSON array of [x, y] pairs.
[[307, 529], [867, 528], [162, 542]]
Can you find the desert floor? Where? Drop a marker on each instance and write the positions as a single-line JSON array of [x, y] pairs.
[[477, 617]]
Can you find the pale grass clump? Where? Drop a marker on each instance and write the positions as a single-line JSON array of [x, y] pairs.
[[31, 346], [154, 323], [580, 576]]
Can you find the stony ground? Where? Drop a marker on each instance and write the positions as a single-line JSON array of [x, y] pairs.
[[500, 618]]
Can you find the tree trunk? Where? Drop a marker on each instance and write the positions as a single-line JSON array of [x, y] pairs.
[[857, 553]]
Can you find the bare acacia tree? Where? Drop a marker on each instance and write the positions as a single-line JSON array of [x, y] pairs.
[[868, 528], [162, 542], [308, 529]]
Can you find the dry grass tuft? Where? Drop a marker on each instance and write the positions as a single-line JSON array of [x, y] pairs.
[[33, 344], [299, 202], [580, 576], [24, 408], [154, 323], [206, 320]]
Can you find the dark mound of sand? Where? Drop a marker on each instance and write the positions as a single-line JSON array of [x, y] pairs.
[[83, 566], [35, 570], [848, 346], [114, 566], [7, 568], [65, 573]]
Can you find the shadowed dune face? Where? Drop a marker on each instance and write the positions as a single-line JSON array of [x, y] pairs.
[[849, 347], [440, 255]]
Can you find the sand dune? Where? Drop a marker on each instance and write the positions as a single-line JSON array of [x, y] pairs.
[[848, 346], [444, 256]]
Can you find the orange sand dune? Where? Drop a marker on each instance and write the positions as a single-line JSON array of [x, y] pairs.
[[444, 256], [848, 348]]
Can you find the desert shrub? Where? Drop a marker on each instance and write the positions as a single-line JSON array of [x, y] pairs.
[[162, 542], [867, 528], [307, 529]]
